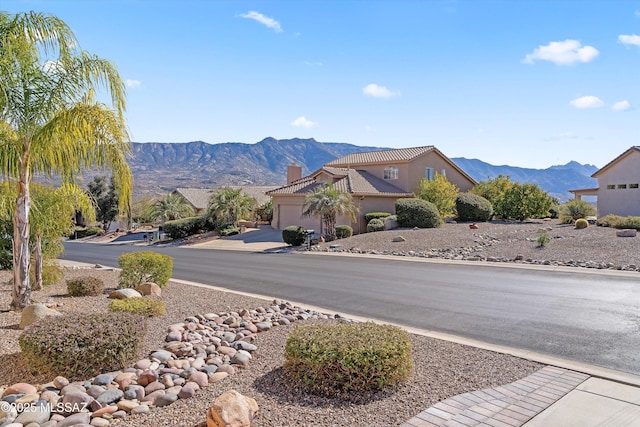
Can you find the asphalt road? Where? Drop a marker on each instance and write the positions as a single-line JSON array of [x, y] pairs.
[[592, 318]]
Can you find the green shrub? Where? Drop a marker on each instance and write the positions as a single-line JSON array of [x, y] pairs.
[[79, 346], [85, 285], [81, 233], [343, 231], [294, 235], [609, 221], [141, 306], [51, 275], [140, 267], [582, 223], [228, 230], [543, 238], [332, 358], [417, 213], [6, 253], [471, 207], [440, 192], [376, 215], [522, 201], [185, 227], [375, 225], [391, 218], [575, 209], [629, 222]]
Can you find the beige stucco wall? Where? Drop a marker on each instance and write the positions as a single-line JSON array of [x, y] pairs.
[[624, 202], [417, 171]]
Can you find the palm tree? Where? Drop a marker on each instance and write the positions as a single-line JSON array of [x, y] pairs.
[[328, 203], [50, 121], [171, 207], [229, 205]]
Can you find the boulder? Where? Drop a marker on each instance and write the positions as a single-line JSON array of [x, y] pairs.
[[473, 226], [398, 239], [19, 388], [149, 288], [232, 409], [36, 312], [124, 294], [627, 232]]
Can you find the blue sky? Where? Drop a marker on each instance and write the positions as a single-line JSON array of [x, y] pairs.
[[529, 83]]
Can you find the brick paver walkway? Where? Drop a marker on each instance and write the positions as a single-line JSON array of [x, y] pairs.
[[509, 405]]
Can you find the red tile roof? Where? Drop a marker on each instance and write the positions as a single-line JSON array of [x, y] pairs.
[[382, 156]]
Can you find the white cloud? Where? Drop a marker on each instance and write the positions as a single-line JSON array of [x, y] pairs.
[[303, 122], [264, 20], [562, 53], [50, 66], [629, 39], [132, 83], [621, 106], [378, 91], [587, 102]]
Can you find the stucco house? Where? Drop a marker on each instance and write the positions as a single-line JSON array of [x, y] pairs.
[[199, 198], [375, 180], [618, 182]]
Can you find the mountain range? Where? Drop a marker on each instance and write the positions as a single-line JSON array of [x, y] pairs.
[[161, 167]]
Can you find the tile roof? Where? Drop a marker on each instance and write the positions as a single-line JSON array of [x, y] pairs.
[[199, 197], [382, 156]]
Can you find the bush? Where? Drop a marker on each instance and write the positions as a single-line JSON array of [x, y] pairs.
[[80, 346], [85, 285], [375, 215], [522, 201], [51, 275], [609, 220], [417, 213], [140, 267], [294, 235], [629, 222], [142, 306], [228, 230], [181, 228], [6, 253], [81, 233], [331, 358], [471, 207], [343, 231], [575, 209], [440, 192], [582, 223], [543, 239], [375, 225]]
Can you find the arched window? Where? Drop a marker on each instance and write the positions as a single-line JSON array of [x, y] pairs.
[[391, 172]]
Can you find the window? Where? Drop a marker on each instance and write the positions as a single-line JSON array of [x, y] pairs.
[[391, 172], [622, 186], [611, 187], [428, 174], [633, 185]]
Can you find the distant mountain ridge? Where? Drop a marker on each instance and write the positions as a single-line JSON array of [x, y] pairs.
[[161, 167]]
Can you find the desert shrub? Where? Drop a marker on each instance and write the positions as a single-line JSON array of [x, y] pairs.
[[79, 346], [610, 220], [575, 209], [6, 253], [81, 233], [140, 267], [629, 222], [51, 275], [392, 218], [543, 238], [522, 201], [141, 306], [375, 225], [294, 235], [85, 285], [440, 192], [375, 215], [417, 213], [582, 223], [471, 207], [343, 231], [185, 227], [228, 230], [331, 358]]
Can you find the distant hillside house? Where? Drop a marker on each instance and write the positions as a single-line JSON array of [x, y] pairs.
[[199, 198], [375, 180], [618, 182]]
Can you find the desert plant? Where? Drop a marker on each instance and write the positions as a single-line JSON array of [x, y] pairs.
[[582, 223], [329, 202], [181, 228], [343, 231], [610, 220], [543, 238], [375, 225], [375, 215], [85, 285], [80, 233], [228, 230], [141, 267], [440, 192], [294, 235], [522, 201], [575, 209], [79, 346], [170, 208], [493, 189], [142, 306], [629, 222], [332, 358], [417, 213], [229, 205], [471, 207]]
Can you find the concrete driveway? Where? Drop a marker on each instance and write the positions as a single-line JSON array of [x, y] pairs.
[[252, 240]]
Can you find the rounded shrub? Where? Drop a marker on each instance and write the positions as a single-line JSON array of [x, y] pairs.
[[375, 225], [375, 215], [79, 346], [574, 210], [333, 358], [582, 223], [294, 235], [629, 222], [610, 220], [471, 207], [185, 227], [343, 231], [417, 213], [141, 267], [142, 306], [228, 230], [85, 286]]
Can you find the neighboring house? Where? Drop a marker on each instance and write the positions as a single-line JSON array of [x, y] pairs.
[[199, 198], [375, 180], [618, 182]]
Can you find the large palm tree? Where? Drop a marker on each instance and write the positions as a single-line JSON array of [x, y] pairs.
[[171, 207], [50, 120], [228, 205], [328, 203]]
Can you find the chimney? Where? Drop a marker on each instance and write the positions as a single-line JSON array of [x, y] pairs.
[[294, 172]]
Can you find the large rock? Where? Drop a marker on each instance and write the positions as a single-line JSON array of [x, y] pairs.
[[75, 419], [149, 288], [38, 414], [19, 388], [627, 232], [232, 409], [36, 312], [125, 293]]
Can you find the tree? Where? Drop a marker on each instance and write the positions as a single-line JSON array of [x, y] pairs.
[[170, 208], [440, 192], [228, 205], [51, 122], [105, 197], [522, 201], [493, 189], [328, 203]]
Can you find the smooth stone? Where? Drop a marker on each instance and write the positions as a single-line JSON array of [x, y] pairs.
[[75, 419], [77, 399], [226, 368], [60, 382], [143, 364], [241, 358], [149, 288], [19, 388], [119, 414], [129, 394], [124, 294], [174, 336], [95, 390], [105, 410], [210, 369], [103, 379], [147, 377], [34, 414], [73, 387], [11, 398], [142, 409], [127, 405], [173, 390], [242, 345], [100, 422], [138, 390], [110, 396], [200, 378], [263, 326], [166, 399], [49, 396], [35, 313], [154, 386], [28, 399], [186, 392], [218, 376]]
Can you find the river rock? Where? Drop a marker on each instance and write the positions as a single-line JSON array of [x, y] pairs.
[[34, 414], [166, 399], [19, 388], [34, 313], [232, 409], [627, 232], [149, 288], [75, 419], [124, 294], [110, 396]]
